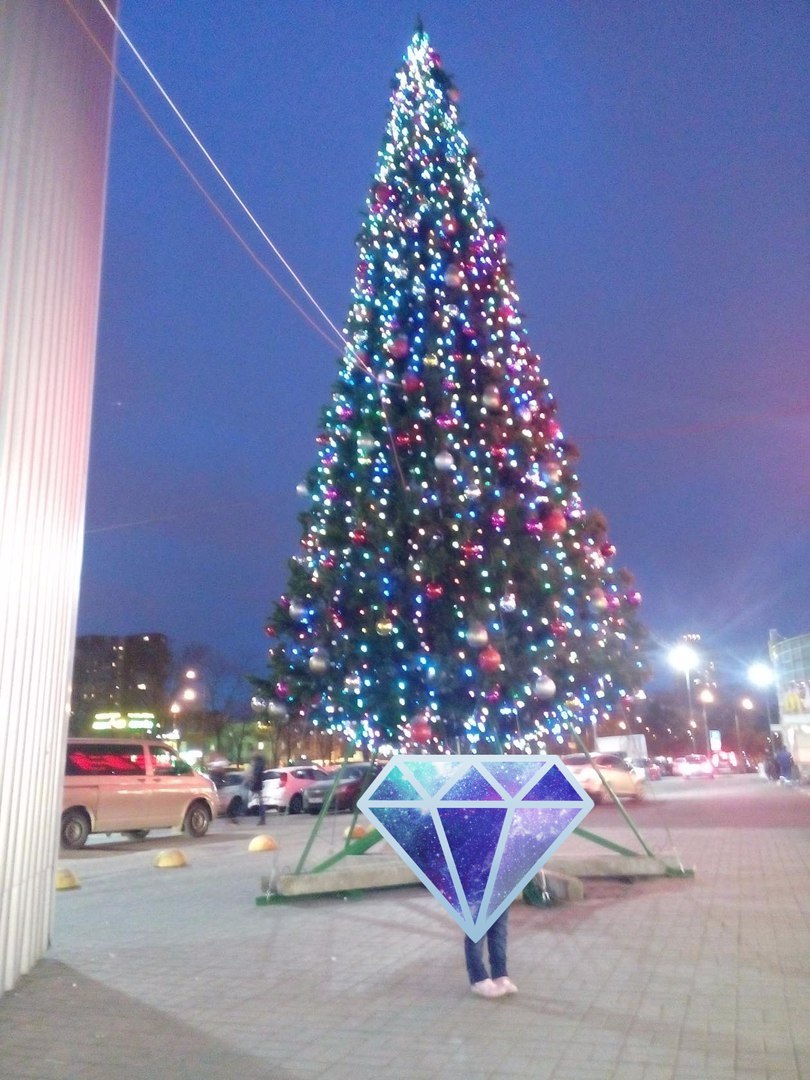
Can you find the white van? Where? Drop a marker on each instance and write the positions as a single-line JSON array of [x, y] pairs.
[[131, 786]]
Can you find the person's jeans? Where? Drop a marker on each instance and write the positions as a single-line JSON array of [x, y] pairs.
[[495, 938]]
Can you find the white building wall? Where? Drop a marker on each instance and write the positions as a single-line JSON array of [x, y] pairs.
[[55, 91]]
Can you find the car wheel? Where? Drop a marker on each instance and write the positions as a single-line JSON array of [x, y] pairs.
[[136, 834], [75, 829], [237, 806], [296, 804], [198, 818]]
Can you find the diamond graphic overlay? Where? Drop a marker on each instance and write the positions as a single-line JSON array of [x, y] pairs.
[[475, 829]]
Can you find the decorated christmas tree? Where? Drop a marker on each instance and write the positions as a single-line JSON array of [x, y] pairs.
[[450, 588]]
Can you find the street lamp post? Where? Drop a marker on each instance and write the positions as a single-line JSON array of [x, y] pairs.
[[762, 676], [706, 698], [684, 658], [747, 704]]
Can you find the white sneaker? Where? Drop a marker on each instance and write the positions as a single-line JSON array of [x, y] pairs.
[[486, 988], [506, 985]]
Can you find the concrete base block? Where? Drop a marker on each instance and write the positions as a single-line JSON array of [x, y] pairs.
[[353, 872], [562, 874], [617, 866], [559, 886]]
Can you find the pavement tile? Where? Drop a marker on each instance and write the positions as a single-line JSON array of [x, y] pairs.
[[662, 980]]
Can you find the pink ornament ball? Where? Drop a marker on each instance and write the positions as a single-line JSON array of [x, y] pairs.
[[421, 731], [399, 348], [489, 660]]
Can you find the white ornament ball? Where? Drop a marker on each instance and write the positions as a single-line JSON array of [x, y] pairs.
[[544, 687], [318, 662], [508, 603], [302, 490], [477, 636], [491, 397], [444, 461], [297, 610]]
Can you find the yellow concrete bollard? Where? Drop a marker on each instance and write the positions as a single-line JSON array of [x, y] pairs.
[[169, 859], [262, 843], [66, 879], [355, 832]]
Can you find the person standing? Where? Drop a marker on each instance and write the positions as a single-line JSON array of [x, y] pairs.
[[257, 766], [784, 764], [497, 983]]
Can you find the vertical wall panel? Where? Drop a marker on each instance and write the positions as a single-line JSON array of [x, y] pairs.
[[55, 90]]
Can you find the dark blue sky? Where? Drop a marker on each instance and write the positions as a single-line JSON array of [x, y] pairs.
[[650, 165]]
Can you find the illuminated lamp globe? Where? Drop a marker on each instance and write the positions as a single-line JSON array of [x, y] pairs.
[[761, 674]]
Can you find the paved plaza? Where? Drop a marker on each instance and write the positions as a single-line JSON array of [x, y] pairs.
[[178, 973]]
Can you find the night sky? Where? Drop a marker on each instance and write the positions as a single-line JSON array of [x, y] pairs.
[[650, 165]]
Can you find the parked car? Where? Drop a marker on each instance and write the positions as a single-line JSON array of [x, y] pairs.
[[283, 788], [665, 765], [650, 769], [693, 766], [725, 761], [131, 786], [625, 782], [352, 780], [233, 791]]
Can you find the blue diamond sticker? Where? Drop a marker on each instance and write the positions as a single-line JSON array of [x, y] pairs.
[[475, 830]]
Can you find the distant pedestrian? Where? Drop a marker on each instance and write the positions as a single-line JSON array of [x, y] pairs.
[[784, 763], [257, 766], [497, 983]]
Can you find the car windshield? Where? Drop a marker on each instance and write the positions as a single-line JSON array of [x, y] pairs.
[[353, 772]]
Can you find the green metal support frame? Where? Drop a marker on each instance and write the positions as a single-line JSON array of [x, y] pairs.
[[362, 844]]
